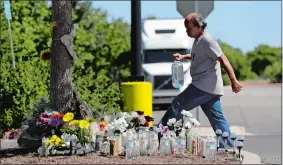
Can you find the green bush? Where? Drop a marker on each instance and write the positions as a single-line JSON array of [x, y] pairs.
[[239, 62], [29, 80], [263, 56], [274, 72], [226, 80]]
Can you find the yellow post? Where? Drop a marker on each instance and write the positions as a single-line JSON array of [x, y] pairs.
[[138, 97]]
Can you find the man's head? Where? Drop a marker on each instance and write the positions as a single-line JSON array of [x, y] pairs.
[[195, 25]]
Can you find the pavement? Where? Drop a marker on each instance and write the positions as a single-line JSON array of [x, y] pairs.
[[255, 113]]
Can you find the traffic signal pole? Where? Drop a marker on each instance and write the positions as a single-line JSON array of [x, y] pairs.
[[136, 60]]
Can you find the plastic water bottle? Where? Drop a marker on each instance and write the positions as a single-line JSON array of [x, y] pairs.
[[177, 74], [154, 145], [210, 148], [130, 144], [181, 144]]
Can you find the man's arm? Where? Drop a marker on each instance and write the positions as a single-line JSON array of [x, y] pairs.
[[187, 56], [227, 67], [236, 86], [179, 56], [214, 51]]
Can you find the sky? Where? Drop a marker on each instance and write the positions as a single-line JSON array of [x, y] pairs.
[[241, 24]]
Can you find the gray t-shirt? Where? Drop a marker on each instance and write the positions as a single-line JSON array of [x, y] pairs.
[[205, 69]]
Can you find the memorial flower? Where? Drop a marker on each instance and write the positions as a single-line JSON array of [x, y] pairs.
[[103, 125], [74, 122], [83, 124], [68, 117], [195, 122], [57, 123], [171, 122], [186, 113], [162, 129]]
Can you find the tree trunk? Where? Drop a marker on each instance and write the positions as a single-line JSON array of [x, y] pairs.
[[61, 92]]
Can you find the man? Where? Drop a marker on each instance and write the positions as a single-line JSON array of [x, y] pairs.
[[207, 84]]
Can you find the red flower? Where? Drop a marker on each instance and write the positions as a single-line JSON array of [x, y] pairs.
[[140, 112], [148, 118], [146, 124], [44, 115]]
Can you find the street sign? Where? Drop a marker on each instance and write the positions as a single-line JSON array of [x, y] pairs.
[[185, 7], [7, 8]]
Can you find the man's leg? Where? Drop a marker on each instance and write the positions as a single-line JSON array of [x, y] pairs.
[[190, 98], [213, 111]]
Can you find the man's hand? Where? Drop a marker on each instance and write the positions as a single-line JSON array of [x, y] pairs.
[[178, 56], [236, 86]]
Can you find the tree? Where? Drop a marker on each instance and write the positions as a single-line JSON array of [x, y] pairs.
[[274, 72], [61, 92], [239, 62], [263, 56]]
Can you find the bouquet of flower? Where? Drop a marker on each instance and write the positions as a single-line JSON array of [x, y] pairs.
[[137, 119], [79, 128], [118, 125], [184, 124], [54, 119]]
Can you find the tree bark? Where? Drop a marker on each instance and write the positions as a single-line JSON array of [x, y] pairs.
[[61, 93]]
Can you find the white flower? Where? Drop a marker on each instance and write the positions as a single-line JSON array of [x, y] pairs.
[[188, 125], [142, 119], [171, 121], [122, 114], [186, 119], [119, 114], [178, 123], [129, 119], [134, 114], [186, 113], [195, 122]]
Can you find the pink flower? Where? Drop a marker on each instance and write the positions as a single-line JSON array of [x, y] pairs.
[[163, 129], [105, 134]]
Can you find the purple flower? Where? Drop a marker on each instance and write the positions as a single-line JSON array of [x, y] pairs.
[[57, 122]]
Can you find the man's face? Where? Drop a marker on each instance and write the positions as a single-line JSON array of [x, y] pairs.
[[192, 31]]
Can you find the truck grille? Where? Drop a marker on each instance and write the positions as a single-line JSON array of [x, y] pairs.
[[158, 80]]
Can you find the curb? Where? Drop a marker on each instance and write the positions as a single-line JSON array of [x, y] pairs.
[[250, 158]]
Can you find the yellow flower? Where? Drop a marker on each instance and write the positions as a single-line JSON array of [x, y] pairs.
[[54, 138], [74, 122], [47, 143], [58, 141], [83, 124], [68, 117]]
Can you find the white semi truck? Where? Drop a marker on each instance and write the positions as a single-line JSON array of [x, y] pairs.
[[161, 38]]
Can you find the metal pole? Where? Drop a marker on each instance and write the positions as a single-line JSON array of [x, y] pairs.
[[198, 108], [11, 44], [136, 66]]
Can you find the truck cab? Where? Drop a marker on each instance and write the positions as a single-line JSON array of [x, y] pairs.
[[161, 38]]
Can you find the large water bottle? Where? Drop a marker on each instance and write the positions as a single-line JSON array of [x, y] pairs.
[[177, 74]]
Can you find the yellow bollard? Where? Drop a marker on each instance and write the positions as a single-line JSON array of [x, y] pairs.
[[138, 97]]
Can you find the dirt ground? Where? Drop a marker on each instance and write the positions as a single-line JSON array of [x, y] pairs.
[[93, 158]]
